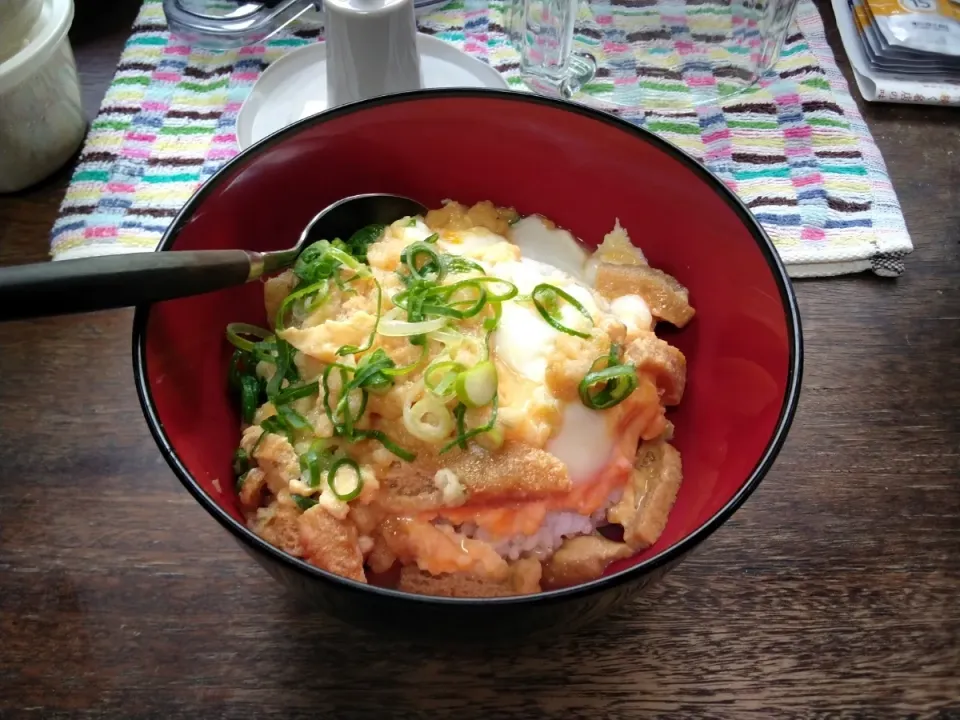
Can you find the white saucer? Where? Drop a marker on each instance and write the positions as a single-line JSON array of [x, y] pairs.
[[295, 86]]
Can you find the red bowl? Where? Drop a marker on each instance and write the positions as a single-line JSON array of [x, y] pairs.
[[579, 167]]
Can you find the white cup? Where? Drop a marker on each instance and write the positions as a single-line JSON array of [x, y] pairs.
[[371, 49]]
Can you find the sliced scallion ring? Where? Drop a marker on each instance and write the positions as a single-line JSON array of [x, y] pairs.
[[546, 299], [318, 291], [440, 378], [428, 419], [432, 263], [236, 333], [477, 386], [402, 328], [348, 494], [348, 261], [616, 383]]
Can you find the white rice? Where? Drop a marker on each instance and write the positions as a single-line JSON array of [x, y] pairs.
[[557, 525]]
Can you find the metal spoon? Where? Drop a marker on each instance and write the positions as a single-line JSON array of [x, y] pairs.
[[76, 286]]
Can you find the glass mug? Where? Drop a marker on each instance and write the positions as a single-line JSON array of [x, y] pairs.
[[650, 53]]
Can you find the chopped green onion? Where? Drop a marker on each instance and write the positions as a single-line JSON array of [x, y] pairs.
[[265, 351], [341, 417], [353, 349], [294, 420], [320, 290], [274, 424], [463, 435], [241, 462], [428, 419], [238, 485], [240, 364], [432, 264], [412, 222], [457, 264], [349, 261], [237, 331], [371, 373], [386, 442], [430, 240], [545, 299], [616, 381], [332, 479], [285, 367], [315, 264], [249, 397], [302, 501], [440, 378], [401, 328], [313, 462], [406, 369], [289, 394], [509, 292], [491, 323], [477, 386]]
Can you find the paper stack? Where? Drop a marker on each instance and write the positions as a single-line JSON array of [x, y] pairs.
[[903, 50]]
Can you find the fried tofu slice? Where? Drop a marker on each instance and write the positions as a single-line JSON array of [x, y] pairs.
[[515, 472], [664, 295], [664, 363], [439, 549], [331, 544], [251, 489], [278, 524], [650, 494], [278, 460], [454, 216], [275, 291], [581, 559], [381, 557], [523, 579]]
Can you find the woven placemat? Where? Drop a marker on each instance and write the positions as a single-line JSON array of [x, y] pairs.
[[796, 150]]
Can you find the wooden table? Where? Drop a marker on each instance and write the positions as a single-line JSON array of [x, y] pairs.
[[834, 591]]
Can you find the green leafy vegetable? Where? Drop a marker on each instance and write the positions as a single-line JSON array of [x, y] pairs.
[[363, 238]]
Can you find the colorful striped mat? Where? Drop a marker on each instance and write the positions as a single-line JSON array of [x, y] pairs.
[[796, 149]]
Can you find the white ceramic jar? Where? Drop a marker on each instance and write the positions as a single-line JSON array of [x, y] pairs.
[[41, 116]]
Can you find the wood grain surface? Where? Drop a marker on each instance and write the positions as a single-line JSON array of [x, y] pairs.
[[834, 592]]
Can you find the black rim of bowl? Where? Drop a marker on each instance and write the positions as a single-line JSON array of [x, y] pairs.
[[665, 556]]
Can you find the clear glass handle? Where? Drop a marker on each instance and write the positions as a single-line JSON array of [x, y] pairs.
[[543, 34]]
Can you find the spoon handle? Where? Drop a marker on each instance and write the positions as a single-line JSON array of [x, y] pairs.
[[76, 286]]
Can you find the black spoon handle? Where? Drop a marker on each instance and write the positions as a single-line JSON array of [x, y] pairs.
[[75, 286]]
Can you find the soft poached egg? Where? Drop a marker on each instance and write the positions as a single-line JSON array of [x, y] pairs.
[[523, 341]]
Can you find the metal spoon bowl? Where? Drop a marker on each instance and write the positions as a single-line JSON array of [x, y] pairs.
[[77, 286]]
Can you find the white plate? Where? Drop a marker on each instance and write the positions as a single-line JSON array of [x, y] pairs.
[[295, 86]]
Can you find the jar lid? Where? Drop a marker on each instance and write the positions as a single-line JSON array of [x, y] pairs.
[[39, 42], [17, 17]]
